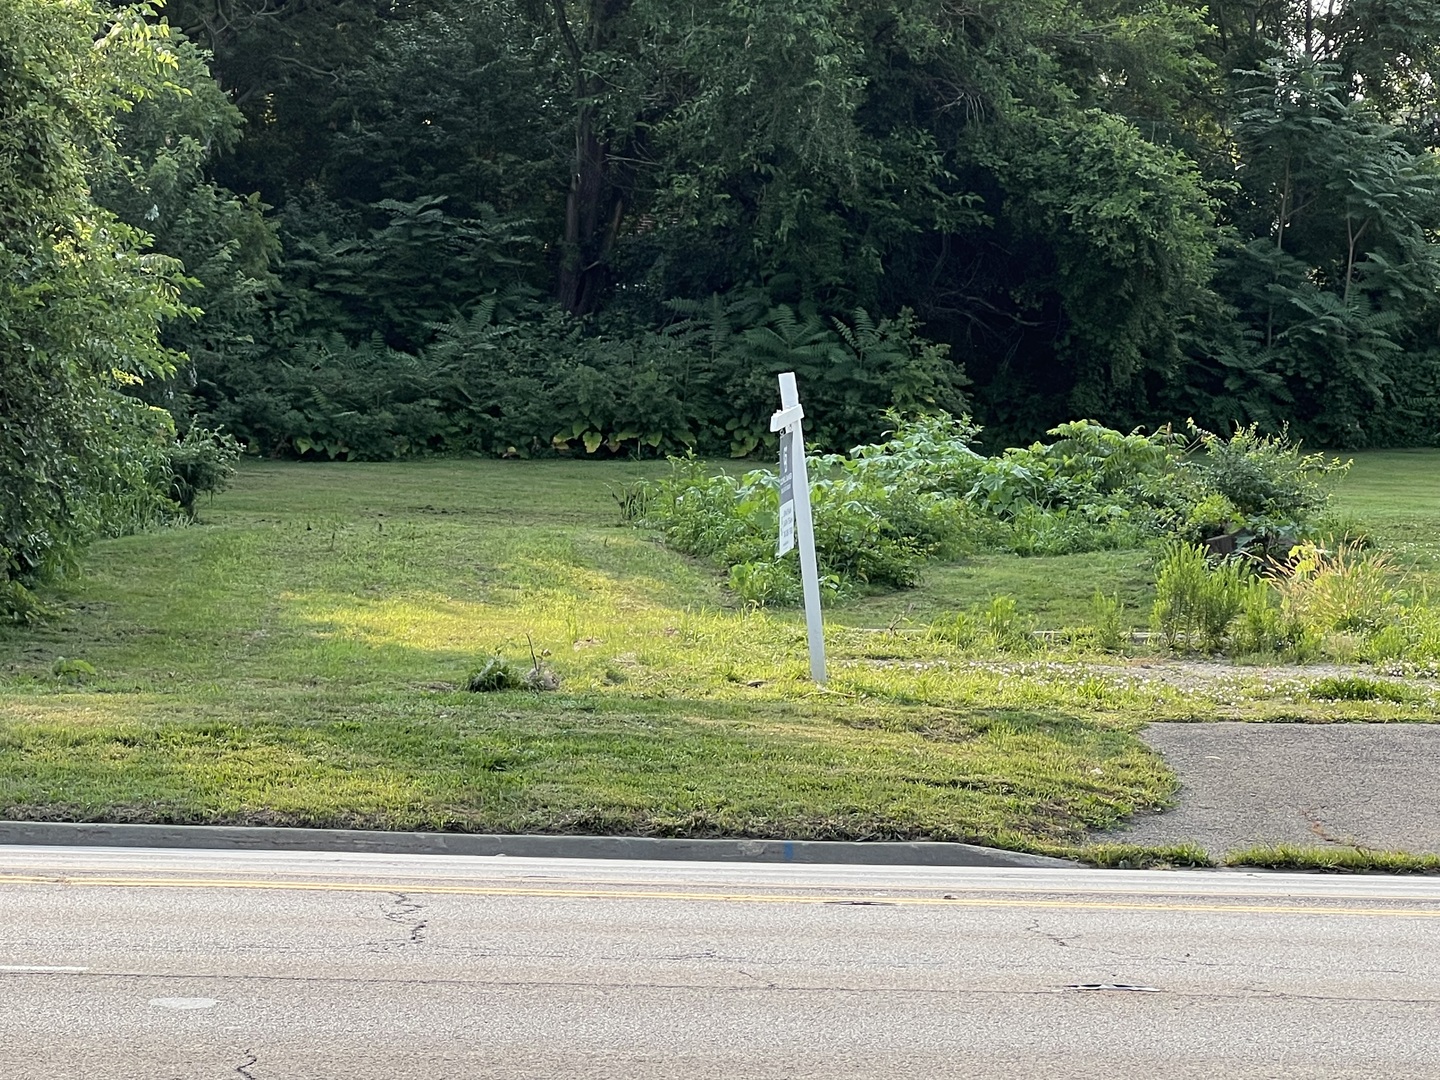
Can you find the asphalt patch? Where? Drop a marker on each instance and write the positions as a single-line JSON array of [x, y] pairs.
[[1362, 785]]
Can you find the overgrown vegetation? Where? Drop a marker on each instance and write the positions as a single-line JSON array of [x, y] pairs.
[[1241, 531], [513, 380], [884, 510], [1343, 603]]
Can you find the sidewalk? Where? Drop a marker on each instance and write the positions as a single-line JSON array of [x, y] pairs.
[[1315, 785]]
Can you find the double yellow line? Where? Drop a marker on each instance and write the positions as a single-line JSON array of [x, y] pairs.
[[632, 894]]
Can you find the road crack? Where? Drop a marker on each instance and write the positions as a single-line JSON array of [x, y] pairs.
[[244, 1069], [403, 914], [768, 985], [1034, 928]]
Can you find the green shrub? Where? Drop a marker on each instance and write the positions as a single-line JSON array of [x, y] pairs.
[[764, 583], [868, 531], [932, 451], [201, 463], [1260, 490], [1089, 471], [1179, 587], [1265, 477]]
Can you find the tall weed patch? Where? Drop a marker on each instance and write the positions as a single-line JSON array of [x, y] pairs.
[[1195, 602], [885, 509], [1342, 603], [1347, 589]]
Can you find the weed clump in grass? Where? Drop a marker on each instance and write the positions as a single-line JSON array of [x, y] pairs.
[[1005, 629], [73, 671], [496, 673], [1107, 617], [1357, 688], [540, 677], [999, 626]]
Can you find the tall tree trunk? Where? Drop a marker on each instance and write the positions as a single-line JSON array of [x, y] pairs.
[[593, 209], [1353, 237], [592, 218]]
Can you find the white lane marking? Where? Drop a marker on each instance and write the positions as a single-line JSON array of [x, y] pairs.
[[39, 968], [184, 1003]]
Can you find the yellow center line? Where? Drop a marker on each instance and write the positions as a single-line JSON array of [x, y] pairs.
[[709, 897]]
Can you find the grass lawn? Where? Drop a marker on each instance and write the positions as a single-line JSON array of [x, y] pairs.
[[299, 658]]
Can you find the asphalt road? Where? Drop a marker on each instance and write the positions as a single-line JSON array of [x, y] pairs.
[[1313, 785], [121, 964]]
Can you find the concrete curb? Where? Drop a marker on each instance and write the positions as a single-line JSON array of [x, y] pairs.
[[243, 838]]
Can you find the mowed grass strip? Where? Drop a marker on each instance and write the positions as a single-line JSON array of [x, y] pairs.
[[299, 658]]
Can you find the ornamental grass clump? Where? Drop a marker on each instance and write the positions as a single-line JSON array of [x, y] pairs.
[[1346, 589]]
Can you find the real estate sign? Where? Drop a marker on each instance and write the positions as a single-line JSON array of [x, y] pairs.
[[796, 527]]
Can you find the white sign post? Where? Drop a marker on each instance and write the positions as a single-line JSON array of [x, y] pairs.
[[795, 522]]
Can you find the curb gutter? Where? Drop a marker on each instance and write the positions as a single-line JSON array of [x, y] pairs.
[[246, 838]]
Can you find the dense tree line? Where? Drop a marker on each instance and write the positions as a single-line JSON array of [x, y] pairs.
[[511, 225], [372, 228], [495, 212]]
